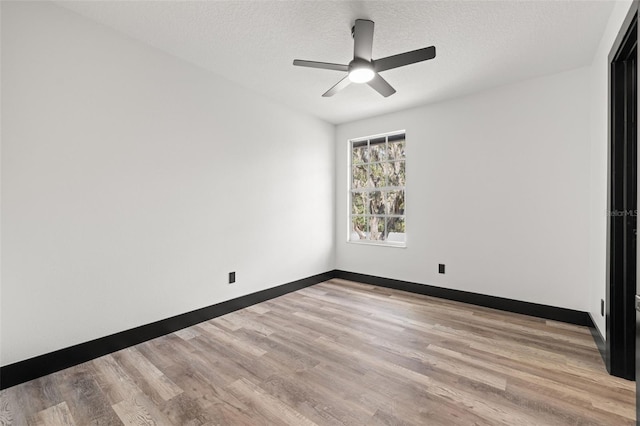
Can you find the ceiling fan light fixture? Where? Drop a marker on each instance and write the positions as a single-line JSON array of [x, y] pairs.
[[363, 68], [361, 74]]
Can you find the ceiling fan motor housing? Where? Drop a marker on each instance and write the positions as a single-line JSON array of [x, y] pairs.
[[360, 63]]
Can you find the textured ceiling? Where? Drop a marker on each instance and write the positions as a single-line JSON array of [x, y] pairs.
[[253, 43]]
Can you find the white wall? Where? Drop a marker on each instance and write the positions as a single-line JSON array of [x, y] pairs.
[[133, 182], [497, 189], [599, 87]]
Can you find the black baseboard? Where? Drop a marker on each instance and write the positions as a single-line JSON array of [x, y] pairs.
[[533, 309], [600, 342], [32, 368]]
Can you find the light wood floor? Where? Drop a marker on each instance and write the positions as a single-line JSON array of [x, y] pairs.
[[341, 353]]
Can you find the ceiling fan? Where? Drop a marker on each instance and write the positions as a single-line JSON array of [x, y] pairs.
[[363, 69]]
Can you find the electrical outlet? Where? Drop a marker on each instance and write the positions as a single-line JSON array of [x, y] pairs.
[[232, 277], [602, 307], [441, 268]]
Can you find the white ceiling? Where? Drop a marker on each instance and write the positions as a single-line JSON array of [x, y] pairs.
[[480, 44]]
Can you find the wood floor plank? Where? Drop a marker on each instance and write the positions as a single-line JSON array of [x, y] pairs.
[[134, 412], [496, 413], [258, 309], [31, 398], [318, 403], [147, 375], [187, 333], [184, 410], [200, 390], [161, 351], [58, 415], [280, 353], [249, 321], [11, 412], [84, 397], [339, 398], [273, 410], [114, 381], [573, 399], [238, 363], [341, 353], [229, 339], [6, 412]]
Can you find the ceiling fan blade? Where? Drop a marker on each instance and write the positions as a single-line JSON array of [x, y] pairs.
[[381, 86], [403, 59], [323, 65], [363, 39], [337, 87]]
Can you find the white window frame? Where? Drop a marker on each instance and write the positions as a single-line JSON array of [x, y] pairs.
[[350, 214]]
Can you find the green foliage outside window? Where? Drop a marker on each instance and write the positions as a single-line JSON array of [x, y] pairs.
[[378, 179]]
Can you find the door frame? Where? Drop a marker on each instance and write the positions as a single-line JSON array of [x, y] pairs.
[[620, 307]]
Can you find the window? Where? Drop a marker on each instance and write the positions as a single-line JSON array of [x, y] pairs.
[[377, 189]]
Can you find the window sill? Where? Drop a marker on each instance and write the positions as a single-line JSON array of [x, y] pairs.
[[379, 244]]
